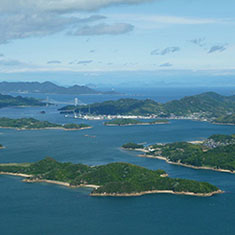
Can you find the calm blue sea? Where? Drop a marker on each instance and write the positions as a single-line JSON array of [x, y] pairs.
[[42, 209]]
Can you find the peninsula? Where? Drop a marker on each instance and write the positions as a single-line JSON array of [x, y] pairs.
[[114, 179], [134, 122], [34, 124], [215, 153], [19, 101], [203, 107]]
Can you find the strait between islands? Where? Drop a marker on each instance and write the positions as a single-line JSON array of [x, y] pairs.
[[114, 179]]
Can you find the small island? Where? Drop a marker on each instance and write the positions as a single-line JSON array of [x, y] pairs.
[[114, 179], [133, 122], [34, 124], [1, 146], [215, 153]]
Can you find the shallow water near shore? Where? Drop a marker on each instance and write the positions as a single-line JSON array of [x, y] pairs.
[[40, 208]]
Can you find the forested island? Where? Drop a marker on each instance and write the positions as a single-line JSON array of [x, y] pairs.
[[1, 146], [34, 124], [215, 153], [9, 101], [133, 122], [114, 179], [205, 107], [48, 88]]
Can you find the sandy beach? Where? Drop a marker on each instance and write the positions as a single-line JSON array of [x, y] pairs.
[[155, 192]]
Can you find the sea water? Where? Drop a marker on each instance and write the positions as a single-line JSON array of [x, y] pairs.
[[42, 208]]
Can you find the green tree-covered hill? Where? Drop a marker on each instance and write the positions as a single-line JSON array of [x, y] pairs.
[[113, 178]]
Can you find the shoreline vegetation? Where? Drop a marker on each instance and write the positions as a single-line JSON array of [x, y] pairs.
[[19, 101], [185, 165], [134, 122], [34, 124], [115, 179], [208, 107], [215, 153]]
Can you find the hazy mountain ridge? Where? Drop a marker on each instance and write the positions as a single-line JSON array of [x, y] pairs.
[[47, 87]]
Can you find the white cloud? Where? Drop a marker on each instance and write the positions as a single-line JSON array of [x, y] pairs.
[[61, 5], [168, 19], [38, 24], [104, 29], [29, 18]]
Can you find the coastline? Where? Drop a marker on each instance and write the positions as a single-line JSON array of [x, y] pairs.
[[137, 150], [139, 124], [224, 124], [48, 181], [186, 165], [15, 174], [155, 192], [46, 128], [66, 184]]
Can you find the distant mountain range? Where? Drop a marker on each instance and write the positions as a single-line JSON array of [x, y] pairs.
[[47, 87], [205, 105]]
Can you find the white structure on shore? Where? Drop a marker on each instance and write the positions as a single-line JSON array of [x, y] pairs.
[[76, 101]]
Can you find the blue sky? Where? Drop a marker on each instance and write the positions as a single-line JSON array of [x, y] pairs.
[[107, 36]]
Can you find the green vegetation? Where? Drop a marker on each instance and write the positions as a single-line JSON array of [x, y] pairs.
[[217, 152], [132, 146], [207, 105], [7, 101], [1, 146], [130, 122], [31, 123], [227, 119], [75, 126], [114, 178], [226, 139]]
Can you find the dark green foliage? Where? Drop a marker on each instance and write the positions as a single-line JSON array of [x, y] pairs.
[[207, 104], [75, 126], [227, 119], [211, 103], [112, 178], [218, 152], [222, 138], [132, 146], [7, 100], [31, 123], [129, 121], [122, 107]]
